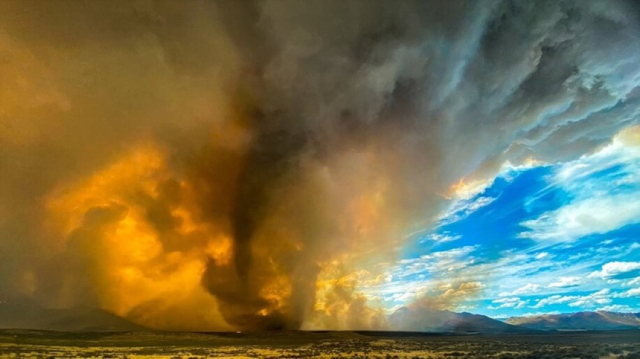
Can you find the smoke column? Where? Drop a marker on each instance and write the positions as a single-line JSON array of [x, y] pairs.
[[216, 165]]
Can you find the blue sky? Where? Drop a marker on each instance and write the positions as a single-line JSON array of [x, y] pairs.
[[544, 238]]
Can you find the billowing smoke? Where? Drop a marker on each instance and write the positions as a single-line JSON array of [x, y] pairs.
[[222, 164]]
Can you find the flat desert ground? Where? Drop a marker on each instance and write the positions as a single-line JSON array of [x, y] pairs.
[[298, 344]]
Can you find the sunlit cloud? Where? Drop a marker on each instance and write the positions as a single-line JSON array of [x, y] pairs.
[[617, 269], [564, 282], [605, 192]]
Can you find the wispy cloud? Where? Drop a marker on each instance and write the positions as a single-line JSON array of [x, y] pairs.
[[616, 269], [617, 308], [601, 297], [554, 299], [584, 217], [462, 208], [565, 282], [631, 293], [528, 288], [605, 188], [440, 238], [514, 302]]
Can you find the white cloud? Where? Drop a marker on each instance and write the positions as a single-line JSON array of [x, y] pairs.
[[499, 316], [436, 262], [633, 292], [634, 281], [528, 288], [605, 191], [514, 302], [461, 209], [414, 277], [583, 217], [613, 269], [565, 282], [554, 299], [530, 314], [479, 203], [441, 237], [402, 296], [615, 308], [542, 255], [600, 297], [575, 174]]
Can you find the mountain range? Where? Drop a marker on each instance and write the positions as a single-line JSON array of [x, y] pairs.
[[600, 320], [428, 320], [29, 315]]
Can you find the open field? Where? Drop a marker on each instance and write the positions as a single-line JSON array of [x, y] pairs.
[[43, 344]]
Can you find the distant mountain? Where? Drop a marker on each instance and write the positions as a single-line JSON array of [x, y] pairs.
[[29, 315], [579, 321], [429, 320]]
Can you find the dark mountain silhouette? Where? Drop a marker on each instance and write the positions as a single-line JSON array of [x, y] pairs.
[[579, 321], [27, 314], [428, 320]]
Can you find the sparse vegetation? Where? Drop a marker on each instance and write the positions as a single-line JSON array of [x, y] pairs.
[[338, 345]]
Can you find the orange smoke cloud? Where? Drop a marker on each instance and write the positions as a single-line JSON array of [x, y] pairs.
[[141, 239], [340, 306], [124, 261]]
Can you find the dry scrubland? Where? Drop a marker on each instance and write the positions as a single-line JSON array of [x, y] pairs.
[[49, 345]]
